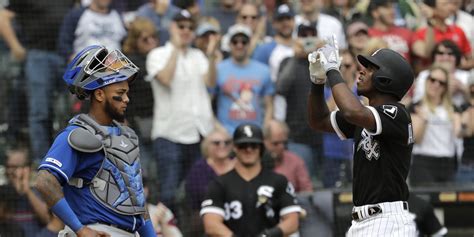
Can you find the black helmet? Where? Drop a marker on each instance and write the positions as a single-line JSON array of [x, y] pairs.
[[394, 75], [248, 133]]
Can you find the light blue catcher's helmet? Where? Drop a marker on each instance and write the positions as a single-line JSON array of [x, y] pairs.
[[95, 67]]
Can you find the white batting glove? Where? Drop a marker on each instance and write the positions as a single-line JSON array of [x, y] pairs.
[[317, 74], [329, 55]]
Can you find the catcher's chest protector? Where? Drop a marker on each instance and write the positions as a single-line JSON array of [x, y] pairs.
[[118, 183]]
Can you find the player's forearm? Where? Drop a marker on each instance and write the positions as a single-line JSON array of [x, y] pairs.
[[318, 111], [39, 207], [49, 188], [289, 224], [216, 229]]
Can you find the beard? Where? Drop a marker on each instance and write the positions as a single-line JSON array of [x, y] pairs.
[[113, 113]]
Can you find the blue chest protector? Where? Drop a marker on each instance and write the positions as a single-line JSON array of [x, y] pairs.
[[118, 183]]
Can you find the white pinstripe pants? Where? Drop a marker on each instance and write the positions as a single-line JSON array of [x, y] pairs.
[[112, 231], [393, 221]]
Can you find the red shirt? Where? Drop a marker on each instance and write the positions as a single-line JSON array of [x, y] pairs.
[[453, 32], [294, 169], [398, 39]]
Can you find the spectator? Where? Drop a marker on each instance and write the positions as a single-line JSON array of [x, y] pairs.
[[209, 31], [141, 39], [337, 165], [466, 168], [225, 12], [249, 15], [343, 10], [462, 19], [161, 13], [436, 126], [285, 162], [38, 27], [192, 6], [30, 212], [448, 55], [326, 25], [182, 108], [215, 148], [244, 90], [302, 140], [93, 25], [8, 201], [397, 38], [357, 33], [162, 218], [52, 229], [425, 38], [273, 52]]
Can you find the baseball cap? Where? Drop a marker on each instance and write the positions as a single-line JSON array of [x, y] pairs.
[[284, 11], [248, 133], [239, 29], [356, 27], [306, 29], [205, 27], [183, 15], [374, 4]]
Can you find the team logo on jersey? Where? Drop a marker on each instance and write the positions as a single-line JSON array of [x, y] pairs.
[[390, 110], [264, 193], [207, 202], [370, 146]]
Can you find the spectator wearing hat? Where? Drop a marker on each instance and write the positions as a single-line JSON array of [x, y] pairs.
[[279, 48], [326, 25], [244, 90], [182, 108], [397, 38], [161, 13], [208, 31], [357, 33]]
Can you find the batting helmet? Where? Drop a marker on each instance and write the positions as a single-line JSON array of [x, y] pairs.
[[248, 133], [394, 74], [95, 67]]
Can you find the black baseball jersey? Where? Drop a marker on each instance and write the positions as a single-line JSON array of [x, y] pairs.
[[381, 157], [249, 207]]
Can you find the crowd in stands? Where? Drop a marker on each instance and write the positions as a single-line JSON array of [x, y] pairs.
[[206, 66]]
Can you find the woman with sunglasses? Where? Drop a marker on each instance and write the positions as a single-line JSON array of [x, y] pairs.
[[436, 127], [215, 149]]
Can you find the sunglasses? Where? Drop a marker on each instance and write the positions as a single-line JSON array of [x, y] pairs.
[[236, 42], [441, 82], [245, 17], [221, 142], [243, 146], [283, 142], [185, 26], [444, 53]]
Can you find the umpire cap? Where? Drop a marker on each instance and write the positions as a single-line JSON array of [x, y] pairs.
[[248, 133], [394, 74]]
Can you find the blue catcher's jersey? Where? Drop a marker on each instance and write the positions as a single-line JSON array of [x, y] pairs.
[[66, 163]]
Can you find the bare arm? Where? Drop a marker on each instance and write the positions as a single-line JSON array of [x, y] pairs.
[[212, 55], [350, 106], [423, 48], [289, 223], [214, 226], [318, 112], [8, 34], [268, 100], [165, 76]]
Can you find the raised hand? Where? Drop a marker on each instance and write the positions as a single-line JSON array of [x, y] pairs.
[[329, 55], [317, 73]]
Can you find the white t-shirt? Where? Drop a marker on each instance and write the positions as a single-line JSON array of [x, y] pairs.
[[182, 112]]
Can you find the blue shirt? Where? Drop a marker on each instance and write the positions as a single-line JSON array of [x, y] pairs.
[[65, 163], [240, 91]]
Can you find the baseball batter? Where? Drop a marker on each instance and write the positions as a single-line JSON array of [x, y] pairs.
[[382, 134], [91, 175]]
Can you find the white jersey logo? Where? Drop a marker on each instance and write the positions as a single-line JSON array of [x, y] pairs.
[[370, 146], [248, 131], [390, 110]]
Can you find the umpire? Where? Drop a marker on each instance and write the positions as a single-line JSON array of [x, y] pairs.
[[250, 201]]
